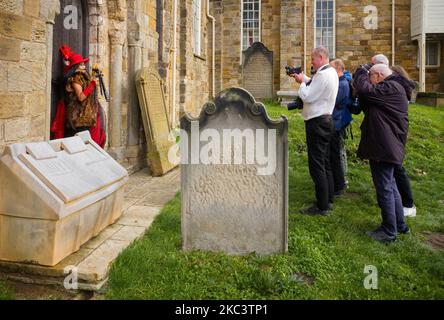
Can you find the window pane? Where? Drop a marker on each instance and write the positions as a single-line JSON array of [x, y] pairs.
[[250, 23], [432, 53], [324, 24]]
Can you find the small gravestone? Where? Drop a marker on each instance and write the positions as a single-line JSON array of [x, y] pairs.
[[234, 166], [155, 120], [257, 71]]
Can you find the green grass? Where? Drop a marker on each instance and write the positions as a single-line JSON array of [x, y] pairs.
[[5, 292], [332, 250]]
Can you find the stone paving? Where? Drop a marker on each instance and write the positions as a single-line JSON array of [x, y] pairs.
[[144, 197]]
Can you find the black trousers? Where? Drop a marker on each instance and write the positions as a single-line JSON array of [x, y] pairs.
[[337, 160], [319, 132], [403, 184]]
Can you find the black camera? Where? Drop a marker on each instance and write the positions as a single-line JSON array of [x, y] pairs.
[[291, 70], [296, 104], [367, 66]]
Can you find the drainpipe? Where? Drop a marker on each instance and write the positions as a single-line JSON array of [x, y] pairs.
[[305, 36], [213, 50], [393, 31], [174, 52]]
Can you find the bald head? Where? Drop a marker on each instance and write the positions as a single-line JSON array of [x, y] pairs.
[[380, 59], [379, 72]]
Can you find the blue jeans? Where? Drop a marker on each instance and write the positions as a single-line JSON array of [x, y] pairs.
[[388, 197]]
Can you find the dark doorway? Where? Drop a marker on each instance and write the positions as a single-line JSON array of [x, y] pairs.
[[77, 39]]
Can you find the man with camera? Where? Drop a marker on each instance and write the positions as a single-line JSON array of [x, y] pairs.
[[319, 96], [383, 138]]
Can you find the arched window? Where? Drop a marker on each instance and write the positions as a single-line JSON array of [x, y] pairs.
[[325, 24], [251, 22]]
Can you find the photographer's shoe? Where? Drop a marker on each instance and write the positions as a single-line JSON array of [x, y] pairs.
[[380, 236], [314, 211], [405, 230]]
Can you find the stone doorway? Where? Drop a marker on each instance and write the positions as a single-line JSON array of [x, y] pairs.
[[77, 39]]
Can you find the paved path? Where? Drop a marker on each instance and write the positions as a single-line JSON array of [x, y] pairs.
[[144, 197]]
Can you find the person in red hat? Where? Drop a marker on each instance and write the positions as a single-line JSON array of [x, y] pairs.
[[79, 110]]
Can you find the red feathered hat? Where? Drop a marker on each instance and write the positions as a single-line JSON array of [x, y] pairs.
[[70, 58]]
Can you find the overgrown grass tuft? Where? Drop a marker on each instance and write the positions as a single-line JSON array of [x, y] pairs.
[[327, 255]]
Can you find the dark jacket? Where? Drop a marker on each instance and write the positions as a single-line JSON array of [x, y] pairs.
[[385, 125], [341, 114]]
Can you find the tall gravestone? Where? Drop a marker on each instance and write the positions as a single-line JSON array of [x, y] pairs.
[[257, 71], [234, 171], [155, 120]]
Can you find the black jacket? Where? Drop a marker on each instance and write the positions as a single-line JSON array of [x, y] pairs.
[[385, 125]]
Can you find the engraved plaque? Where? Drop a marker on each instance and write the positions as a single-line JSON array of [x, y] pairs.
[[40, 150], [74, 145], [75, 175], [155, 120]]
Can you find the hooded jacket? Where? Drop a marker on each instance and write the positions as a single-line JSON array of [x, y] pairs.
[[385, 125]]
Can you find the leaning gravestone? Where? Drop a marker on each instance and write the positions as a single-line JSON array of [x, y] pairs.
[[234, 166], [155, 120], [257, 71]]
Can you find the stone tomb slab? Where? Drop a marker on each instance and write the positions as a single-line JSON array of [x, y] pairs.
[[94, 259], [55, 196], [234, 206], [155, 120]]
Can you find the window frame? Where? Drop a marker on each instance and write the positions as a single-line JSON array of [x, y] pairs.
[[431, 66], [197, 27], [242, 24], [332, 52]]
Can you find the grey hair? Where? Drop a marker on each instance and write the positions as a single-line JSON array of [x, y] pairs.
[[322, 51], [383, 69], [338, 63], [380, 59]]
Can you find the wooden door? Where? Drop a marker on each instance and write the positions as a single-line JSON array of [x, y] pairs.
[[77, 39]]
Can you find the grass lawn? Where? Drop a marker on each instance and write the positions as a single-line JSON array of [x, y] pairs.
[[5, 292], [326, 256]]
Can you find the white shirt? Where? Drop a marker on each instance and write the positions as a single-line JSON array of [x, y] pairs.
[[320, 96]]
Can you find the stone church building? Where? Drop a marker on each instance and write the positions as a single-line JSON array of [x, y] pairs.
[[199, 47], [121, 37], [352, 30]]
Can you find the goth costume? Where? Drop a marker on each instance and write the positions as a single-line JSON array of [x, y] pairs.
[[73, 115]]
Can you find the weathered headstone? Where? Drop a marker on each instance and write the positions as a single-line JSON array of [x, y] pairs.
[[155, 120], [257, 71], [234, 170]]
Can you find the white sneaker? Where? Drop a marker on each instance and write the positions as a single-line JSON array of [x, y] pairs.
[[410, 212]]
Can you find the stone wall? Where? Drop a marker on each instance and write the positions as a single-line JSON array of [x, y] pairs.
[[291, 30], [194, 69], [124, 36], [270, 33], [23, 69]]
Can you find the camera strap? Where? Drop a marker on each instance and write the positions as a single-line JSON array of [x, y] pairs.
[[322, 69]]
